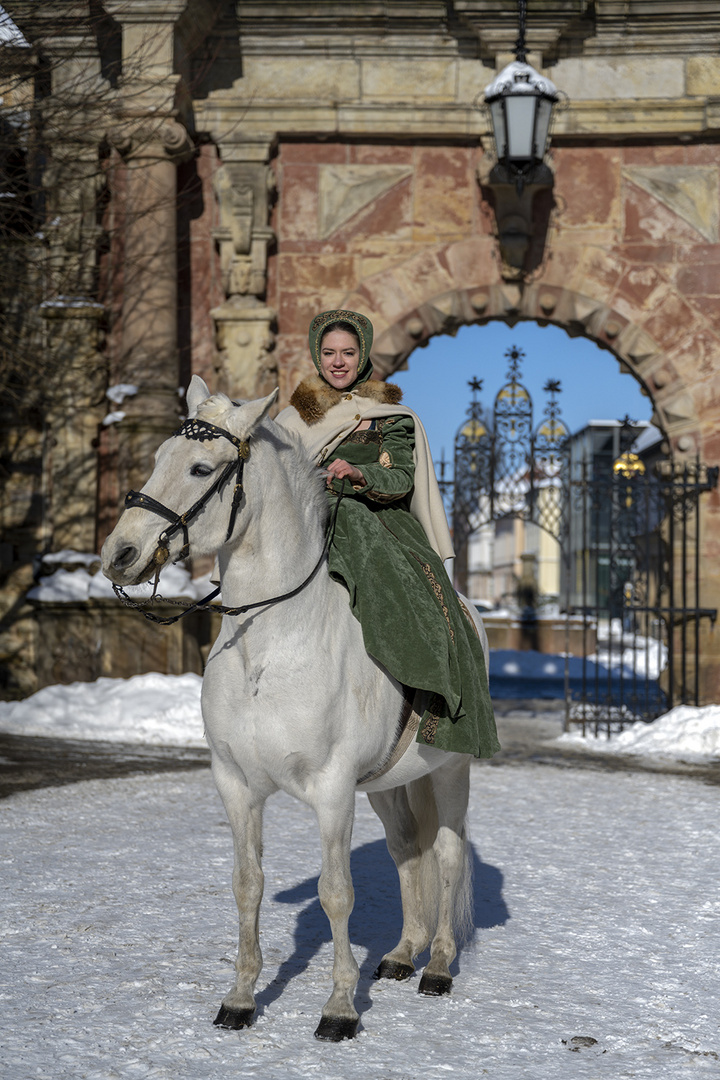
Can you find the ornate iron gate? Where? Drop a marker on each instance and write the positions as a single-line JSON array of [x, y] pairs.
[[627, 521]]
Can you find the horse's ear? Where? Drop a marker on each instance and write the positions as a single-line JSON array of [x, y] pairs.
[[245, 418], [196, 394]]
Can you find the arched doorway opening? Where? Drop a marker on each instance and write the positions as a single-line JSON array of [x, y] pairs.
[[583, 537], [594, 384]]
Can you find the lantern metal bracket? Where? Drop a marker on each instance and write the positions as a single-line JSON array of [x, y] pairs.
[[519, 217]]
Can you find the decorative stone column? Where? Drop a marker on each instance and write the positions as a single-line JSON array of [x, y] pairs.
[[152, 142], [244, 324]]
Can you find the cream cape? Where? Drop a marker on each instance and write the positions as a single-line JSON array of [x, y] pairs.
[[336, 421]]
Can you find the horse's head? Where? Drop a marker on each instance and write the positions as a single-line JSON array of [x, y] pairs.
[[195, 491]]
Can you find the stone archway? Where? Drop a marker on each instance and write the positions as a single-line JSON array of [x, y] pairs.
[[646, 323], [438, 291]]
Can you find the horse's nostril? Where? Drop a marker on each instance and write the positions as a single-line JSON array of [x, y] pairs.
[[124, 557]]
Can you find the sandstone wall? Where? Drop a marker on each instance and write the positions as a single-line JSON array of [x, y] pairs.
[[262, 162]]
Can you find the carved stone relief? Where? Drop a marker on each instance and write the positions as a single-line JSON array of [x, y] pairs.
[[244, 325], [245, 341], [690, 191], [242, 191], [344, 190]]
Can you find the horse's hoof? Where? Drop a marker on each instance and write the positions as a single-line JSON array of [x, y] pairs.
[[392, 969], [435, 985], [234, 1019], [335, 1029]]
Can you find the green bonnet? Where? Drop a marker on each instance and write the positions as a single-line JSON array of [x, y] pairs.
[[362, 327]]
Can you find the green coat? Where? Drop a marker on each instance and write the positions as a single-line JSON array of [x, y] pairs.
[[399, 590]]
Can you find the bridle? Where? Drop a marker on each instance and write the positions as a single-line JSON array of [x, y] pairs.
[[199, 431], [203, 431]]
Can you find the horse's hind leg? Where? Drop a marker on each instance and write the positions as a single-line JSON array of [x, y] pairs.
[[335, 890], [451, 787], [245, 816], [410, 852]]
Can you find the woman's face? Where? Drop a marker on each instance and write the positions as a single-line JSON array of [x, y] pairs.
[[339, 358]]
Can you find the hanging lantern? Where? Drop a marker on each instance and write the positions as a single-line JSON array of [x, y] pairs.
[[520, 102]]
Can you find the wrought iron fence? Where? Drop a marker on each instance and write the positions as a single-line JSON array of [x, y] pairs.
[[631, 561], [628, 527]]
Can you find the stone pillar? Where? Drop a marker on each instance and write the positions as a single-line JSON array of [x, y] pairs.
[[148, 343], [152, 142], [244, 324]]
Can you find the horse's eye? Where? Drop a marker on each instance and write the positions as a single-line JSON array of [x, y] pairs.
[[201, 470]]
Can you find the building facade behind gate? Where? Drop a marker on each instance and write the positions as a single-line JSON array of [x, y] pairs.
[[197, 178]]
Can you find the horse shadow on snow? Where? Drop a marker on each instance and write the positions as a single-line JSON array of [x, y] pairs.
[[376, 921]]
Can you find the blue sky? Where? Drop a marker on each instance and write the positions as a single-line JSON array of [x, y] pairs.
[[435, 385]]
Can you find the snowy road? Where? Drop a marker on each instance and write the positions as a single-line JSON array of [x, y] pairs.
[[596, 909]]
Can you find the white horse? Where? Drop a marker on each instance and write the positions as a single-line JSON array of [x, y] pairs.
[[292, 701]]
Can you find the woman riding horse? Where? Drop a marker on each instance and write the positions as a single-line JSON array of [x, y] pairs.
[[390, 534]]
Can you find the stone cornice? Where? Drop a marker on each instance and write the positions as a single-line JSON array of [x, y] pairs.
[[610, 119], [483, 28], [339, 27], [637, 117], [147, 12]]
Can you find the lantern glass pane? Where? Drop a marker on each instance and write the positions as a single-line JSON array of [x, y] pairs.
[[520, 122], [497, 115], [542, 125]]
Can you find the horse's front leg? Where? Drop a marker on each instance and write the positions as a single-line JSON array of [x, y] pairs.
[[335, 890], [245, 816]]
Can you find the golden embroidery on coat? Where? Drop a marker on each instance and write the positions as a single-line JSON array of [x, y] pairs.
[[429, 730], [469, 617], [364, 437], [435, 707], [383, 496], [437, 589]]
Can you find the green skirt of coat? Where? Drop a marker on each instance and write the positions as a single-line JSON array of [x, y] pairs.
[[411, 619]]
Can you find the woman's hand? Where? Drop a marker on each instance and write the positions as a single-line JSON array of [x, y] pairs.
[[343, 470]]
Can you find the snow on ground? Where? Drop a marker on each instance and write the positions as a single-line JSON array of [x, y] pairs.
[[686, 732], [619, 647], [595, 956], [152, 708], [597, 929], [165, 709]]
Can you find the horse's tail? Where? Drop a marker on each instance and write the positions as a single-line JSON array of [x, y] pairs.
[[423, 803]]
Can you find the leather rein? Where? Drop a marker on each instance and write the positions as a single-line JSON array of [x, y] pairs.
[[202, 431]]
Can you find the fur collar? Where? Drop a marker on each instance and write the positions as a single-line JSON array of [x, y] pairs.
[[314, 397]]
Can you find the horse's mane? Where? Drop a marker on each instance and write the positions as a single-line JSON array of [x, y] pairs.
[[305, 478], [309, 480]]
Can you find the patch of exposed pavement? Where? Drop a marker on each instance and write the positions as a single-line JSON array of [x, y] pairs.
[[29, 761], [528, 731]]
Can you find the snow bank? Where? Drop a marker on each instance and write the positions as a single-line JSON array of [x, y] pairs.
[[686, 733], [152, 708], [618, 648], [69, 586], [165, 709]]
